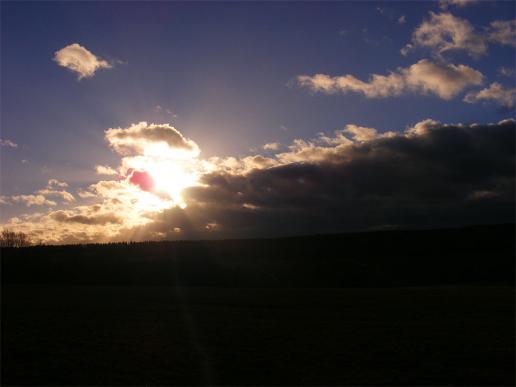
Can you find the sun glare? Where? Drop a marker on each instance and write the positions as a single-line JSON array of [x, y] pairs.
[[171, 178], [163, 174]]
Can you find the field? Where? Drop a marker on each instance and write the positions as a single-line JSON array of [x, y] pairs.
[[90, 332]]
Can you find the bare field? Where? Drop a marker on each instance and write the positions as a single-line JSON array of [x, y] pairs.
[[148, 335]]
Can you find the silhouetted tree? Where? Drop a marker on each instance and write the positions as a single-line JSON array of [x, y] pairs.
[[10, 238]]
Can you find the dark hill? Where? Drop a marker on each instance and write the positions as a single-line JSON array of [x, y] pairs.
[[473, 255]]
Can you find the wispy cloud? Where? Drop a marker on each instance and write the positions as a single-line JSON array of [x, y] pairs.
[[166, 111], [8, 144], [445, 4], [506, 71]]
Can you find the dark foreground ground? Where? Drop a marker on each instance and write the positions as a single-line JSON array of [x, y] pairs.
[[64, 325]]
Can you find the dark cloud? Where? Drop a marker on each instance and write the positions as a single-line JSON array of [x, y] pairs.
[[94, 219], [433, 175]]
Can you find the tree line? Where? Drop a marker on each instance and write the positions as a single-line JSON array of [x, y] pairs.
[[10, 238]]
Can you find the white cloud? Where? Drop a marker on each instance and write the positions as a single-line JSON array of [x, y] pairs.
[[80, 60], [361, 133], [444, 4], [41, 197], [143, 138], [422, 127], [66, 196], [105, 170], [495, 92], [33, 200], [443, 33], [423, 77], [56, 183], [85, 194], [272, 146], [502, 32], [8, 143]]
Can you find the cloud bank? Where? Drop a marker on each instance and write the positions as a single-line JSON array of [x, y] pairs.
[[430, 174]]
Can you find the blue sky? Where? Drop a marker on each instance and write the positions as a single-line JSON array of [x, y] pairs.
[[224, 74]]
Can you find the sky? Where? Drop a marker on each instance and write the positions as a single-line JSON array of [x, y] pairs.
[[176, 120]]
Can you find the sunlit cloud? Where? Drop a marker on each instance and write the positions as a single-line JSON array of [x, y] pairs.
[[54, 189], [105, 170], [33, 200], [66, 196], [502, 32], [158, 159], [496, 92], [444, 33], [423, 77], [151, 140], [272, 146], [80, 60], [57, 183]]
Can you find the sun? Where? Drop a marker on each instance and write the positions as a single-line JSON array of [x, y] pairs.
[[164, 177], [172, 177]]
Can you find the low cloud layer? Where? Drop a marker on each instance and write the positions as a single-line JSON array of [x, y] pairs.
[[357, 178], [80, 60], [423, 77]]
